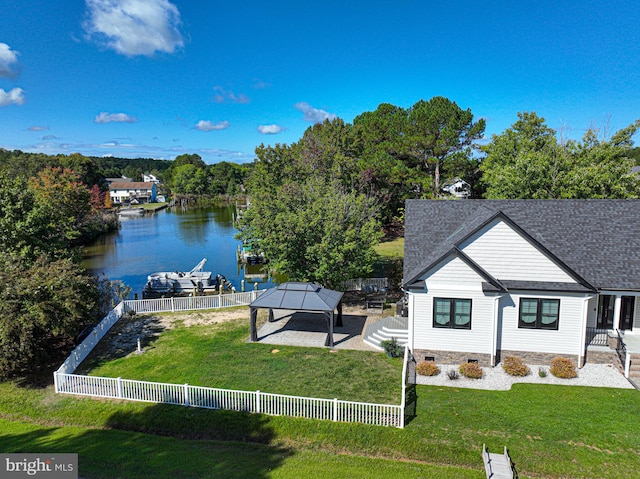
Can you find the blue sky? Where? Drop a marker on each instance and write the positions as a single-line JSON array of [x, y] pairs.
[[158, 78]]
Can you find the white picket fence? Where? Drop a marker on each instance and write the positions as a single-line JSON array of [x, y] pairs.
[[190, 303], [212, 398], [364, 284], [247, 401]]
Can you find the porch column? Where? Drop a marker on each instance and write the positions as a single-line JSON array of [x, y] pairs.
[[616, 312], [582, 355]]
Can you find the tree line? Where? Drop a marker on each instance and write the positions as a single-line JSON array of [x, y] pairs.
[[187, 174], [319, 205]]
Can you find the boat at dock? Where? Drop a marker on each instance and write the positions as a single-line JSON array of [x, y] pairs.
[[131, 212], [177, 283], [248, 254]]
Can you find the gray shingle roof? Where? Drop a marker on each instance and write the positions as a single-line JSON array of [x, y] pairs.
[[298, 296], [597, 239]]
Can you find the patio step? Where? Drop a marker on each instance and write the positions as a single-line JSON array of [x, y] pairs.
[[385, 329]]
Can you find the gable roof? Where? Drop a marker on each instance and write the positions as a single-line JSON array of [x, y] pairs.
[[596, 240]]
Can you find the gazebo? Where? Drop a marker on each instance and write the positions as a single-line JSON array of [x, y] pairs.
[[297, 296]]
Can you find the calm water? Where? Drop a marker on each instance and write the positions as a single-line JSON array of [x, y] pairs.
[[170, 240]]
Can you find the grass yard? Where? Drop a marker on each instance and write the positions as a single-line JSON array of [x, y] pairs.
[[391, 249], [107, 454], [551, 431], [545, 427], [218, 355]]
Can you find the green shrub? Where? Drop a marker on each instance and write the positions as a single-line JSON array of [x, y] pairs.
[[470, 370], [427, 368], [392, 348], [542, 372], [563, 368], [514, 366]]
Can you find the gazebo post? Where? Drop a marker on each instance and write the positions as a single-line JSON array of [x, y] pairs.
[[329, 341], [254, 333], [270, 315], [339, 322]]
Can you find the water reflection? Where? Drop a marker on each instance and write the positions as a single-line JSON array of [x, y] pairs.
[[171, 240]]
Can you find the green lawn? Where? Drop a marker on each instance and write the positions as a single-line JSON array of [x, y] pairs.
[[218, 355], [551, 431], [391, 249]]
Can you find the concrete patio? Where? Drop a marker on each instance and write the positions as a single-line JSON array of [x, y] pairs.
[[302, 328]]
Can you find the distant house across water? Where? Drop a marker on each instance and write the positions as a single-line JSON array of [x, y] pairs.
[[149, 178], [132, 192]]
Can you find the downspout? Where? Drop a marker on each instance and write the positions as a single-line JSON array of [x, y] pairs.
[[494, 346]]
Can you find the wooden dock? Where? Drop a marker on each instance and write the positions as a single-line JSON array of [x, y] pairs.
[[498, 466]]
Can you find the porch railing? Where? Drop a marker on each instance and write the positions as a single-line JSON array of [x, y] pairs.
[[364, 284], [625, 358], [597, 337]]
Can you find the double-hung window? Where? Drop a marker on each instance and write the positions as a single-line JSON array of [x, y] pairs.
[[452, 313], [538, 313]]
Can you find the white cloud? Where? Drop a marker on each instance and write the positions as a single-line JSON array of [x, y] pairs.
[[224, 96], [270, 129], [105, 117], [15, 96], [206, 125], [260, 85], [8, 58], [314, 115], [134, 27], [39, 128]]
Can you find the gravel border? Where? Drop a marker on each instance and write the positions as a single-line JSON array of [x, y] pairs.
[[592, 375]]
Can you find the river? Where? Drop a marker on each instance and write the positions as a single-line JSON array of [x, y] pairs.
[[173, 239]]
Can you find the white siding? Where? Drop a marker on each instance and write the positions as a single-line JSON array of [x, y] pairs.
[[453, 278], [476, 340], [506, 255], [453, 273], [566, 340]]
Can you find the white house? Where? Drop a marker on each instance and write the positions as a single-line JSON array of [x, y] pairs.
[[149, 178], [531, 278], [458, 188], [132, 192]]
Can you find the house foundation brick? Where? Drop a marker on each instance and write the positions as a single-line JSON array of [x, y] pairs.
[[452, 357], [529, 357], [602, 357]]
